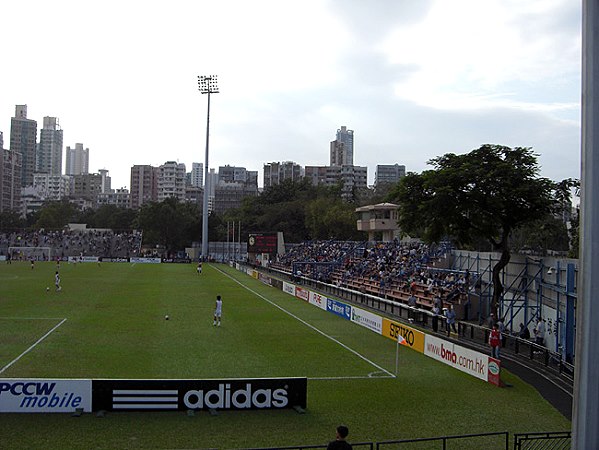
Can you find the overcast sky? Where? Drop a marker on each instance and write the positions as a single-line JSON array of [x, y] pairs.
[[414, 79]]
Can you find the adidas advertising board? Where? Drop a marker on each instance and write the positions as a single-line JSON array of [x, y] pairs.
[[45, 395], [182, 395]]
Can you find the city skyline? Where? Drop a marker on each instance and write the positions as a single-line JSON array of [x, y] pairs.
[[77, 158], [414, 79]]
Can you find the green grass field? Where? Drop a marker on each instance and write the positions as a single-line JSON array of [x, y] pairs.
[[115, 328]]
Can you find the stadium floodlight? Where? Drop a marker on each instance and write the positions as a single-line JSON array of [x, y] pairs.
[[207, 84]]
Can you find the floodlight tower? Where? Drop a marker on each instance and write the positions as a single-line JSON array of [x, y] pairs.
[[207, 85]]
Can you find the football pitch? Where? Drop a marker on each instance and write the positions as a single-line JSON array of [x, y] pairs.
[[108, 321]]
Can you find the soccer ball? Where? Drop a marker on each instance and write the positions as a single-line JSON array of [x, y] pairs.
[[47, 289], [166, 317]]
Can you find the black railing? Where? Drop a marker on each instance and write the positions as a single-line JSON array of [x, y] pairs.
[[560, 440], [557, 440], [488, 441], [364, 445]]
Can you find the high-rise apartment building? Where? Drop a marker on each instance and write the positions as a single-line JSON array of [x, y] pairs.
[[342, 148], [117, 197], [49, 150], [171, 181], [105, 181], [23, 140], [210, 184], [351, 177], [77, 160], [276, 172], [52, 187], [197, 174], [144, 185], [230, 195], [230, 174], [86, 186], [389, 174], [10, 180]]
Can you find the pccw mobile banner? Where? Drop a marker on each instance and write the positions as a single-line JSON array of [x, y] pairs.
[[182, 395], [29, 395]]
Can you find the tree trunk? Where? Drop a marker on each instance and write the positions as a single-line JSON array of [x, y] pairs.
[[497, 268]]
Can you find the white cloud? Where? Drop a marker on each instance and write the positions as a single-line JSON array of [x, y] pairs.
[[413, 78], [467, 52]]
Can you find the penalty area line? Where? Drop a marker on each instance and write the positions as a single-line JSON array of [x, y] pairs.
[[351, 350], [33, 346]]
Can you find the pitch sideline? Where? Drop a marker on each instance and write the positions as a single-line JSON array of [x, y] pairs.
[[34, 344], [372, 363]]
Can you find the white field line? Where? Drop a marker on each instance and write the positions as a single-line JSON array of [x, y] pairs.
[[33, 346], [31, 318], [312, 327]]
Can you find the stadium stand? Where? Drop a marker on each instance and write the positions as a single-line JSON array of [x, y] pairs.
[[102, 243], [392, 270], [355, 272]]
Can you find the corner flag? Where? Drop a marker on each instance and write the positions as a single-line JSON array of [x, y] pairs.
[[401, 340]]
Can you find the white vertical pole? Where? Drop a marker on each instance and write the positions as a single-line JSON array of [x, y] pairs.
[[397, 357]]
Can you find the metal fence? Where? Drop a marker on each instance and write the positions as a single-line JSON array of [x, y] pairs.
[[360, 445], [488, 441], [561, 440], [558, 440]]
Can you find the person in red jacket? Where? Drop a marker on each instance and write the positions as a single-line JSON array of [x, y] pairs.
[[495, 341]]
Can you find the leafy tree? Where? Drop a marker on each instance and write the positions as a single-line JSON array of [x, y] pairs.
[[487, 193], [170, 223], [328, 218], [548, 233], [109, 216], [57, 214], [300, 210], [563, 194], [10, 220], [279, 208]]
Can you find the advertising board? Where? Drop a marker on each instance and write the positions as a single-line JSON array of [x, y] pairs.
[[367, 319], [338, 308], [302, 293], [42, 395], [469, 361], [182, 395], [145, 260], [413, 337], [318, 300], [289, 288]]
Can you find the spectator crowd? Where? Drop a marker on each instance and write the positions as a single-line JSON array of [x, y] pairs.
[[65, 243]]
